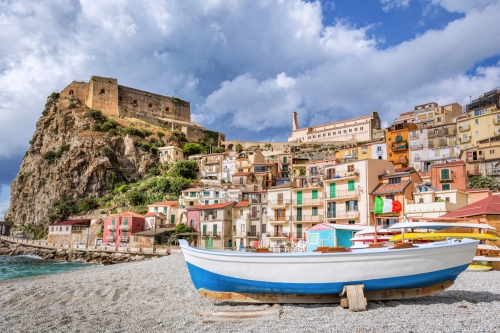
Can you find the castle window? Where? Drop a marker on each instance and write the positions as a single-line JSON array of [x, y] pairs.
[[103, 91], [71, 92], [167, 109], [134, 101], [120, 98], [150, 105]]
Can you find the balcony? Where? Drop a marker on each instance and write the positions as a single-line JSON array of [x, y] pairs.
[[308, 201], [492, 171], [279, 203], [253, 234], [399, 146], [463, 128], [123, 238], [313, 173], [255, 216], [285, 161], [414, 136], [417, 147], [306, 218], [399, 138], [124, 227], [211, 160], [342, 215], [111, 227], [342, 175], [474, 158], [475, 172], [239, 234], [342, 194], [277, 219], [211, 234], [380, 152], [285, 169], [277, 234], [464, 140], [110, 238], [445, 179], [496, 121]]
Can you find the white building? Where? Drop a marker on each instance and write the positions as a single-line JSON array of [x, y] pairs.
[[170, 154], [419, 152], [379, 151], [359, 129], [241, 224], [279, 214], [228, 167]]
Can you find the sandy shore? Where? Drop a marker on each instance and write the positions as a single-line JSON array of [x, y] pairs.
[[157, 296]]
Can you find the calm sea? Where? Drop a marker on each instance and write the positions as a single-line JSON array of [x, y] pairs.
[[22, 266]]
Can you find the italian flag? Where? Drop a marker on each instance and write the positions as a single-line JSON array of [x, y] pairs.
[[386, 206]]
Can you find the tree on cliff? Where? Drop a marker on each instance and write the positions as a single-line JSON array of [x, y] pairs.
[[192, 149], [484, 182], [62, 209], [185, 169], [239, 148]]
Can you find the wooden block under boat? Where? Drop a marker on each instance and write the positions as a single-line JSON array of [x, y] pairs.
[[376, 295]]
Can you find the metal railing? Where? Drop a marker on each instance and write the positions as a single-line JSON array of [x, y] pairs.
[[308, 201], [110, 238], [341, 214], [342, 174], [211, 234], [306, 218], [464, 127], [123, 238], [492, 171], [277, 234], [281, 202], [417, 147], [111, 227], [124, 227], [274, 218], [340, 194]]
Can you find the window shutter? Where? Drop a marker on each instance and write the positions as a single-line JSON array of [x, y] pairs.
[[315, 194], [445, 173], [350, 185]]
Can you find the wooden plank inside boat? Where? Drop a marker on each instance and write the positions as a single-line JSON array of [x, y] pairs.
[[376, 295]]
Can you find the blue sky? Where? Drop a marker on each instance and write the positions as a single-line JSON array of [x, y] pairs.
[[245, 66]]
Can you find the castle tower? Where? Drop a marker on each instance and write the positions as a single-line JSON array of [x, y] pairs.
[[295, 123], [103, 94]]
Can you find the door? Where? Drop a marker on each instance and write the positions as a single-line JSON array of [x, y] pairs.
[[299, 214], [333, 191], [280, 198], [299, 198], [209, 244], [332, 210], [172, 219], [253, 230]]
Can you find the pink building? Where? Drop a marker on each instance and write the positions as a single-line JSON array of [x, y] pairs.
[[118, 228], [449, 176], [193, 218]]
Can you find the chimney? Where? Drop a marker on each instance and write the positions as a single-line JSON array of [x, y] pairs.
[[295, 124]]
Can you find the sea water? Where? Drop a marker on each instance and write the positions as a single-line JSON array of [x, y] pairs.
[[31, 265]]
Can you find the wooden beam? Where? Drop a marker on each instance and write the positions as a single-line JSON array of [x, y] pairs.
[[241, 316], [370, 295], [355, 297]]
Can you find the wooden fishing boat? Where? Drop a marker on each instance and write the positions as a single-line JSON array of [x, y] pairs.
[[224, 274]]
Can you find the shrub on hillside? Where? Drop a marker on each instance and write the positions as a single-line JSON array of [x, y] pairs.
[[96, 115], [131, 130], [185, 169]]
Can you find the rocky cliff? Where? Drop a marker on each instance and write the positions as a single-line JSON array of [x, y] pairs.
[[71, 156]]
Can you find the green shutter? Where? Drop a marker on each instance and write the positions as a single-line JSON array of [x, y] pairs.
[[206, 202], [299, 198], [216, 201], [350, 185], [215, 229], [445, 173], [445, 187], [164, 210], [113, 222], [156, 209], [125, 223], [172, 219], [333, 190], [204, 229], [315, 194]]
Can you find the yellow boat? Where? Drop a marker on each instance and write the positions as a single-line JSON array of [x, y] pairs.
[[442, 235], [478, 268]]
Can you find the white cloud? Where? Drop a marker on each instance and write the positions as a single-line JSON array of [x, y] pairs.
[[387, 5], [463, 6]]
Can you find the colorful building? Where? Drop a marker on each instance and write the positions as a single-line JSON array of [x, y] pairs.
[[483, 158], [241, 226], [328, 234], [396, 138], [168, 209], [449, 176], [278, 214], [216, 225], [170, 154], [118, 228]]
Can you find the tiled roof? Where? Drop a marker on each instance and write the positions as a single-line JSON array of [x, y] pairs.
[[391, 188], [459, 162], [71, 222], [129, 214], [165, 203], [242, 173], [242, 204], [489, 206], [191, 189], [214, 206]]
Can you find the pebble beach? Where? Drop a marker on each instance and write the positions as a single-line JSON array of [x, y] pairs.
[[158, 296]]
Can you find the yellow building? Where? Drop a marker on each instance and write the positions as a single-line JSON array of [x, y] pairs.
[[396, 138], [478, 125], [483, 158]]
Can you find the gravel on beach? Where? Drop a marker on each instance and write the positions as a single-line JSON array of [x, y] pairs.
[[158, 296]]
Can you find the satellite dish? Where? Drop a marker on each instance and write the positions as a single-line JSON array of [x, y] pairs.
[[360, 187], [386, 171]]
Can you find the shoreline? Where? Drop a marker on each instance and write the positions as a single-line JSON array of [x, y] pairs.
[[158, 295]]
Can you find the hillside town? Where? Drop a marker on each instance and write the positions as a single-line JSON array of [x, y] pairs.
[[270, 196]]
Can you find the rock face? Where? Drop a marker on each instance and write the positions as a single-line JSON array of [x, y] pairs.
[[83, 162]]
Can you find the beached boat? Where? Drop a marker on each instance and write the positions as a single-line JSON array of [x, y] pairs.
[[316, 273]]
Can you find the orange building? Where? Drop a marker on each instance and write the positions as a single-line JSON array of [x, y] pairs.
[[449, 176], [397, 143]]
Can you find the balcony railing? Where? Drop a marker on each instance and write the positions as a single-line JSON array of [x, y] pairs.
[[464, 140], [254, 216], [211, 234], [239, 233], [210, 160], [417, 147], [342, 194], [110, 238], [253, 234], [124, 227], [473, 172], [282, 202], [277, 219], [342, 174], [342, 214], [316, 173], [414, 136], [462, 128], [493, 171], [123, 238], [307, 218], [111, 227], [474, 158], [277, 234], [308, 201], [399, 146]]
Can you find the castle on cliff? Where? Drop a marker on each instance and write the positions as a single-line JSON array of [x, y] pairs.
[[106, 95]]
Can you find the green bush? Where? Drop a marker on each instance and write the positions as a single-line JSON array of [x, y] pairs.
[[109, 124], [71, 106], [106, 151], [135, 198], [54, 95], [97, 115], [96, 128], [160, 134], [62, 150], [62, 209], [218, 149], [113, 132], [133, 131], [86, 204], [177, 185], [50, 156], [45, 112], [146, 133], [192, 149], [123, 188], [185, 169], [180, 136], [154, 171], [144, 145]]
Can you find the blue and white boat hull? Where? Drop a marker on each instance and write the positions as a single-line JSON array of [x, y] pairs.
[[327, 273]]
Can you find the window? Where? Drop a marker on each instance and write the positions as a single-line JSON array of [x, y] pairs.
[[345, 131], [420, 200], [477, 133], [476, 121], [361, 128], [445, 187], [436, 131], [164, 210], [445, 174], [103, 91], [314, 211], [389, 196], [71, 92], [216, 194], [447, 199], [355, 129], [350, 168], [67, 228], [350, 130], [438, 119], [206, 193], [134, 101], [263, 228], [150, 105], [352, 222], [313, 238], [299, 231], [395, 180], [351, 205], [204, 229], [315, 194], [207, 202], [492, 151], [379, 149]]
